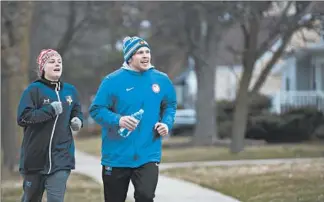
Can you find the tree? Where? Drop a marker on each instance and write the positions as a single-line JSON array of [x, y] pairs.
[[15, 21], [283, 28], [202, 33], [85, 34], [23, 28], [193, 29]]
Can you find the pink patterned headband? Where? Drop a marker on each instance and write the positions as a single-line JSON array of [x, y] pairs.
[[44, 56]]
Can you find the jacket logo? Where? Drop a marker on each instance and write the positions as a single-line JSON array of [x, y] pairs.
[[46, 101], [129, 89], [108, 170], [156, 88], [69, 99]]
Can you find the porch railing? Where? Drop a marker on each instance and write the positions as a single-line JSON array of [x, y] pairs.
[[286, 100]]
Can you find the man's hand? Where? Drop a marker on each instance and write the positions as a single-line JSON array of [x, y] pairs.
[[76, 124], [128, 122], [162, 128]]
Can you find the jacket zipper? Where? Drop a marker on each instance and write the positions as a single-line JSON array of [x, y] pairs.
[[57, 88]]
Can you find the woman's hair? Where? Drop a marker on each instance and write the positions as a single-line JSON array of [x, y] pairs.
[[40, 74]]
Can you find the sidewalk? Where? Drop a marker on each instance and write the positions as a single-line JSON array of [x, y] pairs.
[[175, 190], [238, 162], [168, 189]]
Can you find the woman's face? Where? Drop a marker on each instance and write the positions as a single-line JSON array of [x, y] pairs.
[[53, 68]]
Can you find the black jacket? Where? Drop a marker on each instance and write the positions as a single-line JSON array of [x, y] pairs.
[[48, 143]]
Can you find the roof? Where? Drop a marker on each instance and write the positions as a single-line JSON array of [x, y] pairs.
[[305, 51]]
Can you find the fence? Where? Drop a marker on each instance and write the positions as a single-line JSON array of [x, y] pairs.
[[286, 100]]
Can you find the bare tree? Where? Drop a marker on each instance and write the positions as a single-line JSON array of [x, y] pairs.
[[192, 29], [15, 21], [283, 28], [202, 33]]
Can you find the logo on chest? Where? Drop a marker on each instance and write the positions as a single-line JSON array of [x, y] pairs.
[[156, 88], [46, 101], [69, 99]]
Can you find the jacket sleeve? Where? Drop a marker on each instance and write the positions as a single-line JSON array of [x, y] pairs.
[[169, 106], [101, 107], [28, 113], [77, 110]]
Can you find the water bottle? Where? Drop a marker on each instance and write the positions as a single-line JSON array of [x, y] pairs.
[[138, 116]]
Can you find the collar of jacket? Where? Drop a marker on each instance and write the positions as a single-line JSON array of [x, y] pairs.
[[51, 84], [133, 71]]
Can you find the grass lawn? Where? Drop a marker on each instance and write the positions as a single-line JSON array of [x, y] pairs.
[[261, 183], [93, 146], [79, 188]]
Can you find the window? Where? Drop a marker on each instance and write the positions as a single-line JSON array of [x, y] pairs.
[[313, 77], [287, 84]]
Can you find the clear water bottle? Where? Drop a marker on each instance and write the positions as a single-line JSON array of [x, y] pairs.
[[138, 116]]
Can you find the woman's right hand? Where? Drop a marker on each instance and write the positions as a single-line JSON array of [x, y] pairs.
[[57, 107]]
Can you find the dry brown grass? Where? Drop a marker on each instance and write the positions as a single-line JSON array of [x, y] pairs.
[[213, 153], [79, 188], [293, 182]]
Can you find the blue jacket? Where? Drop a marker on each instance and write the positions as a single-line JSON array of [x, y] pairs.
[[122, 93], [47, 144]]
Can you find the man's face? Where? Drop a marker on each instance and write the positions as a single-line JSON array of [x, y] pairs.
[[53, 68], [141, 60]]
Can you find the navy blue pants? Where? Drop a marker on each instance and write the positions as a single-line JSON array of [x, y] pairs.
[[34, 186]]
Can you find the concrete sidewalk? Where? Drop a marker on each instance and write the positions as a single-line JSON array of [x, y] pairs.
[[175, 190], [165, 166], [168, 189]]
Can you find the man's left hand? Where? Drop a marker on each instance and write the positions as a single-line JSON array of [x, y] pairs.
[[162, 128]]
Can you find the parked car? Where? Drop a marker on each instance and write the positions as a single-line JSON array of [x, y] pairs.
[[185, 121]]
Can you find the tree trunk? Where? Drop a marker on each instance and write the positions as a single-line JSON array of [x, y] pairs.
[[205, 131], [8, 129], [241, 112], [242, 98], [8, 135], [15, 75]]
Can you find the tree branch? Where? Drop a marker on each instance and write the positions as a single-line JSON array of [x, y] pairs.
[[244, 31], [273, 36], [267, 69], [286, 36], [72, 28], [293, 25]]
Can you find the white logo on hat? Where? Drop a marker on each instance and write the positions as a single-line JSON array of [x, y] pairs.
[[156, 88]]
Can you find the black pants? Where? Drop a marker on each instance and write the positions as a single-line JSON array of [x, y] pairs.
[[116, 182]]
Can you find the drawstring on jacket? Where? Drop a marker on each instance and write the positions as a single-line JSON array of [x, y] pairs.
[[57, 89]]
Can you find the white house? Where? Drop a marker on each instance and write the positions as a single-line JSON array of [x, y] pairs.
[[227, 81], [228, 70], [302, 79]]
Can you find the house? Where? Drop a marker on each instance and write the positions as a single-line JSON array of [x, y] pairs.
[[302, 81], [227, 78], [228, 68]]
